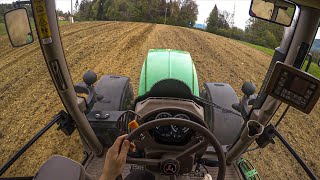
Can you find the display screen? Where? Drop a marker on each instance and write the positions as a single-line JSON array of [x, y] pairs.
[[299, 85], [294, 87]]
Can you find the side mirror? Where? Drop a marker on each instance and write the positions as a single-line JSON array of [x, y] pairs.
[[276, 11], [319, 63], [18, 27]]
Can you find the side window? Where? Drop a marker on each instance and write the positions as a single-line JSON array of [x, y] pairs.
[[314, 68]]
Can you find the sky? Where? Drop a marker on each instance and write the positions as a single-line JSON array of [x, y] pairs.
[[241, 8], [204, 7]]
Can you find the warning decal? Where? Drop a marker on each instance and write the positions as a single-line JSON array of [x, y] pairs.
[[42, 21]]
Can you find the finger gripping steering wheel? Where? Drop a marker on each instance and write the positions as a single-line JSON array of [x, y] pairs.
[[172, 165]]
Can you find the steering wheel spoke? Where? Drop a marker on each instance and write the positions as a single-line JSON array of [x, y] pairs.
[[196, 147], [143, 140]]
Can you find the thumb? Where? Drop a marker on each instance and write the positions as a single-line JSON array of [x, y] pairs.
[[124, 149]]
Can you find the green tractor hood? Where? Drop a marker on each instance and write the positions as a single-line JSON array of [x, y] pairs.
[[168, 64]]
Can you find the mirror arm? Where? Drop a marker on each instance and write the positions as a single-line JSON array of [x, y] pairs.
[[81, 88], [92, 98], [252, 99], [275, 13]]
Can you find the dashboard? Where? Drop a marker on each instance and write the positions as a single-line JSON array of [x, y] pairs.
[[172, 134]]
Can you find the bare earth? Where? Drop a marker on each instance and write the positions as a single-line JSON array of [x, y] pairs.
[[28, 100]]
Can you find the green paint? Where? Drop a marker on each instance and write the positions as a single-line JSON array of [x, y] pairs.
[[247, 169], [168, 64], [250, 174]]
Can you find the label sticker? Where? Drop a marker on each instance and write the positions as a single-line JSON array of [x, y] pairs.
[[46, 40], [42, 21], [57, 75]]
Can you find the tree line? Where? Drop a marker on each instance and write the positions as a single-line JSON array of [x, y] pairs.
[[60, 13], [257, 31], [7, 7], [173, 12], [315, 55], [180, 13], [4, 8]]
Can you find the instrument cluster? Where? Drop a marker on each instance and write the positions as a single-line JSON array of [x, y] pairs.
[[172, 134]]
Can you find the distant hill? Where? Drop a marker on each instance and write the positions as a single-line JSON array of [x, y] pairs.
[[316, 45]]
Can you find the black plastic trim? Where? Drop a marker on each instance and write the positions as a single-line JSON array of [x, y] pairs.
[[301, 56]]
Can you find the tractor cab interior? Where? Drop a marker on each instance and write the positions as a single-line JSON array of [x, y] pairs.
[[180, 131]]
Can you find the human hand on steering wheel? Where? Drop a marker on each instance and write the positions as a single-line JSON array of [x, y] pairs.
[[116, 158]]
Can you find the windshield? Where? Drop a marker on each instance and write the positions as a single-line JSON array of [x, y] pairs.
[[28, 101], [113, 37]]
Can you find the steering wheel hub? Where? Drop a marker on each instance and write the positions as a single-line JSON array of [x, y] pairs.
[[170, 167]]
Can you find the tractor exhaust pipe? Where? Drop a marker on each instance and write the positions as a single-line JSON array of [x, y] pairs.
[[252, 131]]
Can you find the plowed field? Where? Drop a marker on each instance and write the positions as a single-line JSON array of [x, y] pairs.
[[28, 99]]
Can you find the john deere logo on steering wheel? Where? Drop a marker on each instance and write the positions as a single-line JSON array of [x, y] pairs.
[[170, 168]]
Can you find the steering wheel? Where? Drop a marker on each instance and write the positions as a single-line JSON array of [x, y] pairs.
[[170, 165]]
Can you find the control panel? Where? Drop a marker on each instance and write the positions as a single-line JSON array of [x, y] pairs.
[[294, 87]]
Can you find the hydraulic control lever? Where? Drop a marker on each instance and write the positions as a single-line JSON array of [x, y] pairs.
[[248, 89]]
